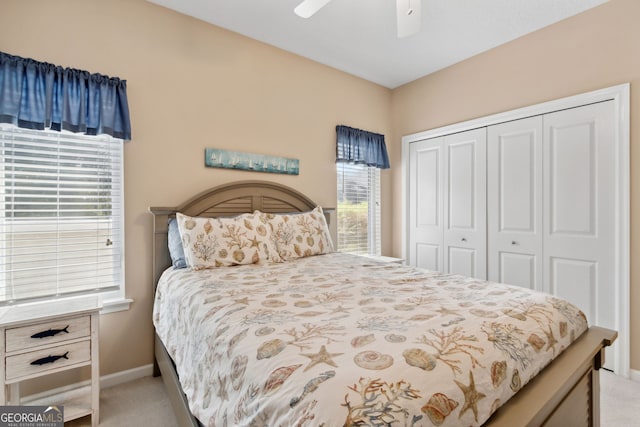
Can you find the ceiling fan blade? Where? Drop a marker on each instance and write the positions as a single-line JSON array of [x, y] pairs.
[[408, 13], [307, 8]]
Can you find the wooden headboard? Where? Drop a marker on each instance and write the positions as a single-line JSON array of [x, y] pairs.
[[225, 200]]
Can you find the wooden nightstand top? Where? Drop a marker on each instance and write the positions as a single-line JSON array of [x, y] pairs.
[[37, 311]]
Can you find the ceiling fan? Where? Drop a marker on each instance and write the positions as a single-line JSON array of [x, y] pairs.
[[407, 13]]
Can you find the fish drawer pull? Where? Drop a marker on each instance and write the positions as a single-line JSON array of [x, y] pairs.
[[49, 359], [50, 332]]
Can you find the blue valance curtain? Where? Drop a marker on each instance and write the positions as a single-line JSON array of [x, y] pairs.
[[361, 147], [39, 95]]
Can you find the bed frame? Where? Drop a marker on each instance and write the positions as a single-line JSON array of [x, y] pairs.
[[565, 394]]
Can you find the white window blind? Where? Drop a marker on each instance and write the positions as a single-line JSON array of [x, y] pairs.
[[358, 211], [61, 214]]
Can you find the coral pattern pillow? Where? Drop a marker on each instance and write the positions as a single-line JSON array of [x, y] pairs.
[[300, 235], [221, 242]]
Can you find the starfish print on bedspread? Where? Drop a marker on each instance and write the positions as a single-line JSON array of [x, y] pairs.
[[255, 243], [321, 357], [471, 397]]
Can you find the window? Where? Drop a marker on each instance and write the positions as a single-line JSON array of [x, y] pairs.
[[61, 215], [358, 210]]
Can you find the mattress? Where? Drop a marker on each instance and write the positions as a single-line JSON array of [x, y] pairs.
[[339, 339]]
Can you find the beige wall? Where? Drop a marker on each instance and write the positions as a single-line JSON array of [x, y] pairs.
[[593, 50], [192, 85]]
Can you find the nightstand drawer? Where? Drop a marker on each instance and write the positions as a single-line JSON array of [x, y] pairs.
[[49, 332], [46, 359]]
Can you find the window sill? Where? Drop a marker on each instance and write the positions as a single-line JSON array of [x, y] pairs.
[[115, 305]]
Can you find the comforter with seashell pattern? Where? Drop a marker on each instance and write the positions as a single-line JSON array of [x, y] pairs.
[[338, 339]]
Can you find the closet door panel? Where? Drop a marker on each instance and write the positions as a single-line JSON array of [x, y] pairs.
[[460, 191], [462, 261], [514, 202], [425, 204], [517, 190], [465, 203], [572, 180], [576, 281], [519, 269], [429, 256], [579, 218]]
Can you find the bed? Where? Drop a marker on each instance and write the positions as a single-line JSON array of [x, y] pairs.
[[293, 339]]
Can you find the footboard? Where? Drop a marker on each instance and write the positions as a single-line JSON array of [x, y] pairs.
[[566, 393]]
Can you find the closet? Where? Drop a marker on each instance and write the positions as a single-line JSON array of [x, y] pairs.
[[527, 202], [533, 201]]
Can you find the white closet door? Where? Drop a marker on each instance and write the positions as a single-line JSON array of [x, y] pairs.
[[465, 203], [579, 214], [514, 202], [425, 204]]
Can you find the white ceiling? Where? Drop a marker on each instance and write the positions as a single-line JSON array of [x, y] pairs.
[[359, 36]]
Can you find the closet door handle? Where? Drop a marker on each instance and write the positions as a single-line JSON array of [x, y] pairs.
[[464, 239], [513, 242]]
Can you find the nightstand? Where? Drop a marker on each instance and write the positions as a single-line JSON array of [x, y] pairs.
[[44, 338]]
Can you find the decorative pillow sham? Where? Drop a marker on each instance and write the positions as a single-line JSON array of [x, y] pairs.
[[175, 245], [221, 242], [300, 235]]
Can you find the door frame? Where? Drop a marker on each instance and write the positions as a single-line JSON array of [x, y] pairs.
[[620, 95]]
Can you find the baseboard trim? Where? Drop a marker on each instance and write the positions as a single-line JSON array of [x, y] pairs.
[[634, 375], [121, 377], [106, 381]]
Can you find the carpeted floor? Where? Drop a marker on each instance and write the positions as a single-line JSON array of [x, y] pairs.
[[144, 402], [619, 401]]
